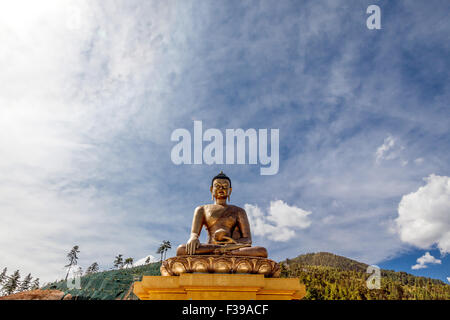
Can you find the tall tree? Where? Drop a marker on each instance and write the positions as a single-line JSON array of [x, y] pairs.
[[25, 284], [167, 246], [128, 262], [3, 276], [118, 262], [161, 250], [12, 283], [35, 284], [73, 259], [93, 268]]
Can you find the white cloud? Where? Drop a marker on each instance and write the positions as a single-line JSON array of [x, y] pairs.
[[383, 151], [422, 262], [423, 216], [419, 161], [280, 222], [448, 279]]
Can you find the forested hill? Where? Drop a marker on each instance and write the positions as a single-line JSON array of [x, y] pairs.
[[328, 277], [326, 259]]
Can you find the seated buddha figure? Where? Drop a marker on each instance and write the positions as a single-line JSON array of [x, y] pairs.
[[227, 226]]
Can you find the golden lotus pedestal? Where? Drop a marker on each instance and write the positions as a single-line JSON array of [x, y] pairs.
[[215, 286], [220, 264], [219, 278]]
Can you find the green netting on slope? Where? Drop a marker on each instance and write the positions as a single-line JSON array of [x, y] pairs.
[[107, 285]]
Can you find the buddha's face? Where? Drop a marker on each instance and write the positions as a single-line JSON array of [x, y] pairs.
[[221, 188]]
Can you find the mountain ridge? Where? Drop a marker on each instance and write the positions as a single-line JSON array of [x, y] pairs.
[[327, 259]]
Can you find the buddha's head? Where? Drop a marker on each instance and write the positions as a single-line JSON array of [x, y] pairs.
[[221, 186]]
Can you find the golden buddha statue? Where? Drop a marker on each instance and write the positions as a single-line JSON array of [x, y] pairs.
[[227, 225], [229, 247], [227, 267]]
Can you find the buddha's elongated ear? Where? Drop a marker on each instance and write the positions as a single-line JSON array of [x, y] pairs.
[[229, 193], [212, 194]]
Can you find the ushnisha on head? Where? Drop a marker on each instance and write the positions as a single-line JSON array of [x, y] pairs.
[[221, 187]]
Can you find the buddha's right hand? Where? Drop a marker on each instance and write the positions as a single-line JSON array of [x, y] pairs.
[[192, 244]]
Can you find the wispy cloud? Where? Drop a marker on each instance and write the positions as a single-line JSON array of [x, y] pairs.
[[69, 94], [383, 150]]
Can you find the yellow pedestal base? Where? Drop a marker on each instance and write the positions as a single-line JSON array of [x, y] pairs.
[[200, 286]]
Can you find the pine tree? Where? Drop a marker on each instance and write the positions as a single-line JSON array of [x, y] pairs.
[[3, 276], [128, 262], [73, 259], [35, 284], [161, 251], [12, 283], [167, 246], [93, 268], [118, 262], [25, 284]]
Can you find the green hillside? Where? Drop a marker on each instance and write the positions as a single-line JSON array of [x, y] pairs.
[[108, 285], [332, 277]]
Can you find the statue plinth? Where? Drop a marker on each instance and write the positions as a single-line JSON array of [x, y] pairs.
[[216, 286], [223, 264]]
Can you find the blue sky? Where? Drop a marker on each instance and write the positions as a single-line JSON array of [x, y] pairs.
[[91, 93]]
